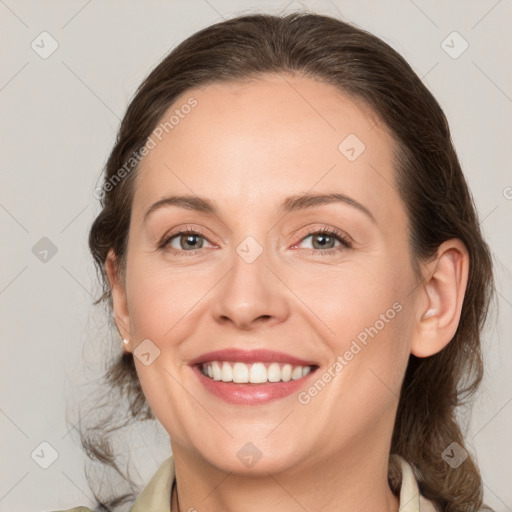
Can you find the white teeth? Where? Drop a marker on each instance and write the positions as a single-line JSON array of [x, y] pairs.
[[227, 372], [305, 370], [255, 373], [258, 373], [297, 373], [286, 373], [274, 373], [240, 373], [217, 374]]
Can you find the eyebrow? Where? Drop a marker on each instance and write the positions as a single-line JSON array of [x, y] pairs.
[[289, 204]]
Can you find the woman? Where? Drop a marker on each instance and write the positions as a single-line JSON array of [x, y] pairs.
[[295, 266]]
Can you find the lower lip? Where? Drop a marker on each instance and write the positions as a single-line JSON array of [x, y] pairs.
[[250, 394]]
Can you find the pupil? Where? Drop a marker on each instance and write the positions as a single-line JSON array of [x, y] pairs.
[[189, 240], [325, 239]]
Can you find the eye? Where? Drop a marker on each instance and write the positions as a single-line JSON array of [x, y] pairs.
[[324, 240], [183, 241]]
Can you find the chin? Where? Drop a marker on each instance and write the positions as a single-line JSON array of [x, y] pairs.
[[255, 458]]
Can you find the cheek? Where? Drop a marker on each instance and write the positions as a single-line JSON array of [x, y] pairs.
[[367, 314], [160, 298], [160, 302], [354, 298]]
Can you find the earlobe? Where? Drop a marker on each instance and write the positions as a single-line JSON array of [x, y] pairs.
[[441, 300], [119, 300]]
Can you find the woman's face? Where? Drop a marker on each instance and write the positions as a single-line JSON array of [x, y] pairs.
[[262, 274]]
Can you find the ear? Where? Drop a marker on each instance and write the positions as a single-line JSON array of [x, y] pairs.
[[441, 297], [119, 301]]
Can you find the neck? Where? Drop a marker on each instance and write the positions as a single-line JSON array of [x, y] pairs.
[[346, 482]]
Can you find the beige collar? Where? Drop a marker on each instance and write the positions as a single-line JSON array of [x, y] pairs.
[[410, 498]]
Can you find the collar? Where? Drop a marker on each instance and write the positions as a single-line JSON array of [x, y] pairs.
[[156, 495]]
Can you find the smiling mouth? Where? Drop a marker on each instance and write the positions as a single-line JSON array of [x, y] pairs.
[[254, 373]]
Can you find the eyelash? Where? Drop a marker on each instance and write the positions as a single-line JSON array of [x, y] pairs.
[[332, 232], [343, 239]]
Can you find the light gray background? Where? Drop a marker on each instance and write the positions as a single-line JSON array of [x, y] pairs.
[[59, 119]]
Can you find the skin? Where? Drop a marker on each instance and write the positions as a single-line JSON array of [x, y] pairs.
[[245, 147]]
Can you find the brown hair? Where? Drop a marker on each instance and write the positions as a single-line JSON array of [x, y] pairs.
[[428, 177]]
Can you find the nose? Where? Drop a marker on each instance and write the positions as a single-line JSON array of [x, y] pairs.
[[250, 295]]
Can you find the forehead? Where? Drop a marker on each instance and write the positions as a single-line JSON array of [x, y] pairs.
[[247, 143]]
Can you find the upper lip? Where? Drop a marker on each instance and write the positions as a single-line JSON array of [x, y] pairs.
[[250, 356]]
